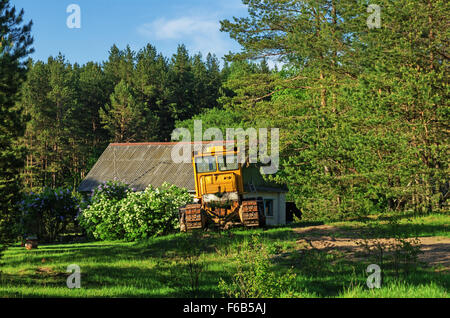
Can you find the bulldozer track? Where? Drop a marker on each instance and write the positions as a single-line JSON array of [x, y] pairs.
[[191, 217], [251, 213]]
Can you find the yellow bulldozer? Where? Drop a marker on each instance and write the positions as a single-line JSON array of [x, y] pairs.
[[219, 199]]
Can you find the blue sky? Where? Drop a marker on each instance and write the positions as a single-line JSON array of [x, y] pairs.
[[163, 23]]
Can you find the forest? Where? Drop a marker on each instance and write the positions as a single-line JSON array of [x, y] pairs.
[[363, 111]]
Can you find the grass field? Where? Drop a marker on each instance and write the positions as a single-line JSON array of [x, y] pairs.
[[192, 265]]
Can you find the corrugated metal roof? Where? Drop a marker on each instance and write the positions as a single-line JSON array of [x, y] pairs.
[[139, 165], [144, 164]]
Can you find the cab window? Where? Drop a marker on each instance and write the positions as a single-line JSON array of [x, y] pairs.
[[228, 164], [205, 164]]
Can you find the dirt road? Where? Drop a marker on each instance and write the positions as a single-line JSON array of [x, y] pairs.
[[435, 250]]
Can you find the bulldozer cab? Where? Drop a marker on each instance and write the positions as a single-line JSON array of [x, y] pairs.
[[218, 175]]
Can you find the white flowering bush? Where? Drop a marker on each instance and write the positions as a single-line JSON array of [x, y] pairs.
[[101, 219], [153, 212], [137, 216], [101, 216]]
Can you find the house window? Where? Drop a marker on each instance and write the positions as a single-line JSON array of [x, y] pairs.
[[268, 207]]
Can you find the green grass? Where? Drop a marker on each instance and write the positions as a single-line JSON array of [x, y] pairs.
[[159, 267], [408, 225], [397, 290]]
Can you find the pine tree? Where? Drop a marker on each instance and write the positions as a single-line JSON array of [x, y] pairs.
[[200, 83], [406, 74], [88, 138], [361, 111], [214, 81], [15, 42], [92, 94], [38, 108], [181, 83], [120, 66], [120, 115], [149, 82], [63, 131]]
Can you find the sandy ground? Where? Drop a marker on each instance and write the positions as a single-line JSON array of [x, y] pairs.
[[435, 251]]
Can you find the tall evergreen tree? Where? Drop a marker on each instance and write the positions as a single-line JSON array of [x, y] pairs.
[[407, 75], [15, 45], [120, 66], [150, 81], [181, 86], [214, 81], [37, 107], [65, 110], [87, 136], [120, 115], [200, 83], [93, 94]]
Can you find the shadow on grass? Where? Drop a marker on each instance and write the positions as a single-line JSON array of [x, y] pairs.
[[406, 215], [304, 224], [376, 231], [329, 275], [114, 264], [405, 230], [164, 272], [157, 278]]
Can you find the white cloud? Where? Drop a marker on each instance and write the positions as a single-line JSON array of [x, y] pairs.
[[199, 34], [175, 29]]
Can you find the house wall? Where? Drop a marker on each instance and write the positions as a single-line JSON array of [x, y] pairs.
[[279, 206]]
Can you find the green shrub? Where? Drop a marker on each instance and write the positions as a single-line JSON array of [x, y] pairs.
[[255, 276], [188, 273], [48, 213], [136, 216], [392, 249]]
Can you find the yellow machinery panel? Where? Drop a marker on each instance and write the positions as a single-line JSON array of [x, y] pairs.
[[216, 176]]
